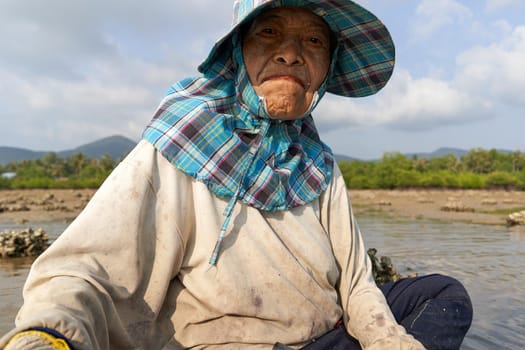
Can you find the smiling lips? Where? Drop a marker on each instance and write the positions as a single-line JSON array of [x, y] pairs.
[[285, 77]]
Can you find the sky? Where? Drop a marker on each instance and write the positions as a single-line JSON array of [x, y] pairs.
[[72, 72]]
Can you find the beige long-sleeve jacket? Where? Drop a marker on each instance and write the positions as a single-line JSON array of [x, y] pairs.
[[131, 272]]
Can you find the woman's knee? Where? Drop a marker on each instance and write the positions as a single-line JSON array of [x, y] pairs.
[[454, 292], [443, 319], [448, 287]]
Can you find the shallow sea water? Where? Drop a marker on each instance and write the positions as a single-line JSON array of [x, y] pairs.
[[13, 273], [489, 260]]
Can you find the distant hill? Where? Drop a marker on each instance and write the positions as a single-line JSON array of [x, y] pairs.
[[118, 146], [437, 153], [340, 157], [440, 152], [13, 154], [115, 146]]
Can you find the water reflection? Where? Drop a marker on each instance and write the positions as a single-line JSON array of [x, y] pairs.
[[14, 267], [14, 271], [489, 260]]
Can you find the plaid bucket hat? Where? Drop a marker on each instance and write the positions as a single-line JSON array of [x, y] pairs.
[[365, 53]]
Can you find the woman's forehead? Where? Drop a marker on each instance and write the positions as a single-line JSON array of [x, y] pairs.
[[284, 14]]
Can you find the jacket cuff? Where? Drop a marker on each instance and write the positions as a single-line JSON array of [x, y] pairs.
[[36, 340]]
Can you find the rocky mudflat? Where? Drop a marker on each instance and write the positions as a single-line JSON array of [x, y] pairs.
[[26, 206], [474, 206], [470, 206]]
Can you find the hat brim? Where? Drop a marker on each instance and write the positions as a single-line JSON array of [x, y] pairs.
[[365, 55]]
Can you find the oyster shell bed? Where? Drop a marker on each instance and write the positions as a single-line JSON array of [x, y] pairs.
[[23, 243]]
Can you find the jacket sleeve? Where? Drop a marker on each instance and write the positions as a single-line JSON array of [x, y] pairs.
[[366, 314], [103, 282]]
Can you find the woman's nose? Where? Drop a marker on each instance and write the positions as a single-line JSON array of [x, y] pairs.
[[289, 52]]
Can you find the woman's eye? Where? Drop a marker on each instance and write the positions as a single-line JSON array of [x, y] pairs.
[[315, 40], [269, 31]]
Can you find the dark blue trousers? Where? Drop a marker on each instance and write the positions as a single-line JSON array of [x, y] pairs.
[[435, 309]]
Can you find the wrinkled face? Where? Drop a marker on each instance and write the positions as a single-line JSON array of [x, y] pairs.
[[287, 55]]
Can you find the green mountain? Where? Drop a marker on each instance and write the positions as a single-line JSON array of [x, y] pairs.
[[437, 153], [340, 157], [440, 152], [13, 154], [115, 146], [118, 146]]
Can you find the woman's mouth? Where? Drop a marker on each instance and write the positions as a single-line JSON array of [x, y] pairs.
[[286, 77]]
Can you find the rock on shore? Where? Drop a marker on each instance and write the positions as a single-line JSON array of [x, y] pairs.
[[28, 242], [457, 206], [383, 270], [517, 218]]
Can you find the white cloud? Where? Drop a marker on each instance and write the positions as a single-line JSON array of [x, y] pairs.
[[501, 28], [405, 103], [496, 5], [496, 71], [488, 80], [434, 15], [71, 72], [116, 97], [58, 36]]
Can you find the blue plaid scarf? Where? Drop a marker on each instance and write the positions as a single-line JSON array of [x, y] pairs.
[[217, 130]]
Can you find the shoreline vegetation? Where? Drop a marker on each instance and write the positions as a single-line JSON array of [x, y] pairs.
[[481, 187], [478, 169]]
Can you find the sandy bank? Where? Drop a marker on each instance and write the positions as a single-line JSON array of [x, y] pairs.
[[26, 206], [483, 207], [471, 206]]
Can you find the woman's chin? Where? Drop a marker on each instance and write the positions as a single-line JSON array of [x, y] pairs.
[[286, 108]]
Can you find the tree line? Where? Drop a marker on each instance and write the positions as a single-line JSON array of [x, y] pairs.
[[51, 171], [477, 169]]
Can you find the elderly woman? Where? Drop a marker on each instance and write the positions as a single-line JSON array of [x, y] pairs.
[[229, 225]]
